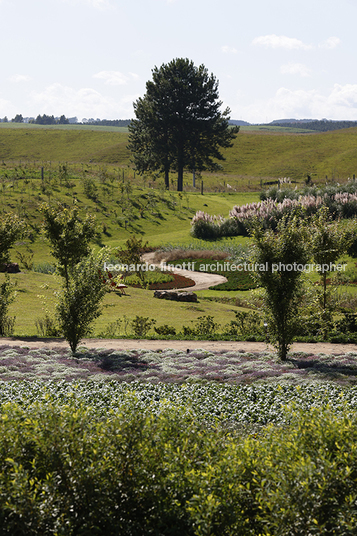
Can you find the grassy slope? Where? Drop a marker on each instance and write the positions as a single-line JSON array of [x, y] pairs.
[[33, 299], [172, 226], [252, 154], [255, 153]]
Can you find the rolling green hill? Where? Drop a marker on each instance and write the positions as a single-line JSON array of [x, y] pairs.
[[258, 155]]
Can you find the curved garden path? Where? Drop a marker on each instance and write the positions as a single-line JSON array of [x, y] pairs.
[[202, 280]]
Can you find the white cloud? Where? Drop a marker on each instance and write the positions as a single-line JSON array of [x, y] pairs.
[[11, 111], [331, 42], [97, 4], [295, 68], [280, 41], [20, 78], [85, 102], [112, 78], [229, 50], [339, 103]]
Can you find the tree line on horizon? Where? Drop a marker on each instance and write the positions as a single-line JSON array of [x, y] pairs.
[[63, 120]]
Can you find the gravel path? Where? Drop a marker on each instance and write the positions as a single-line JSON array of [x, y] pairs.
[[214, 346]]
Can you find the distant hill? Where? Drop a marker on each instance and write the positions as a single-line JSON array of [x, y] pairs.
[[322, 125], [238, 123]]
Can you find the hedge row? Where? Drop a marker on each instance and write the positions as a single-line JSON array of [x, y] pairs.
[[65, 471]]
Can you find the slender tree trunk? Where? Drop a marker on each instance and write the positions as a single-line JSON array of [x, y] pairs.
[[325, 289], [180, 179], [180, 162], [167, 181]]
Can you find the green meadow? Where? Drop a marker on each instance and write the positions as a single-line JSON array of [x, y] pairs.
[[90, 166], [258, 153]]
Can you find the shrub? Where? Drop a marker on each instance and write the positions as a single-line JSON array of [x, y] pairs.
[[110, 332], [206, 230], [7, 296], [246, 323], [44, 268], [205, 327], [80, 298], [141, 325], [67, 471], [165, 330], [47, 327]]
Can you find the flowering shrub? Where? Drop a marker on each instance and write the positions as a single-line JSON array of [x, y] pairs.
[[270, 211]]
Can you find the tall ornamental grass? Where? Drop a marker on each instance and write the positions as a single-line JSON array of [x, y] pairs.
[[270, 211]]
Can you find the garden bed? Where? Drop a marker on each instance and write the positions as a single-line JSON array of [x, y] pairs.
[[179, 281]]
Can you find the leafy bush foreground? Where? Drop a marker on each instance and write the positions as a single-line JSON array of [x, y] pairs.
[[67, 471]]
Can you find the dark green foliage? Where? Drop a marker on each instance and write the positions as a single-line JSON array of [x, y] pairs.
[[321, 125], [7, 296], [206, 230], [282, 287], [178, 123], [79, 301], [239, 280], [11, 229], [348, 324], [165, 330], [69, 236], [141, 326], [50, 120], [246, 323], [204, 327], [66, 471]]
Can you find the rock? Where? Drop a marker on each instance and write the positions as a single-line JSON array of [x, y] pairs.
[[10, 268], [176, 296]]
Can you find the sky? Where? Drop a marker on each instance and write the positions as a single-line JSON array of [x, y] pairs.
[[274, 59]]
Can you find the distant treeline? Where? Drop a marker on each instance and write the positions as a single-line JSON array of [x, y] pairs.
[[50, 120], [63, 120], [110, 122], [321, 126]]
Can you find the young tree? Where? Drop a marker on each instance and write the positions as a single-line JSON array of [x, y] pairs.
[[178, 122], [79, 301], [11, 228], [277, 255], [131, 255], [328, 242], [7, 296], [69, 236]]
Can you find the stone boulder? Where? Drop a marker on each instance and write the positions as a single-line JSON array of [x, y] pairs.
[[10, 268], [176, 296]]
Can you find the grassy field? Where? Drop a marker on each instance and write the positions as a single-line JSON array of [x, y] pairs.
[[35, 296], [77, 162], [159, 217], [258, 155]]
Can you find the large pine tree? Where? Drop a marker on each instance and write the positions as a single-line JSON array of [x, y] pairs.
[[178, 122]]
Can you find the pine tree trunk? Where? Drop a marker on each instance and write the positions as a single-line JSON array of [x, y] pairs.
[[180, 179]]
